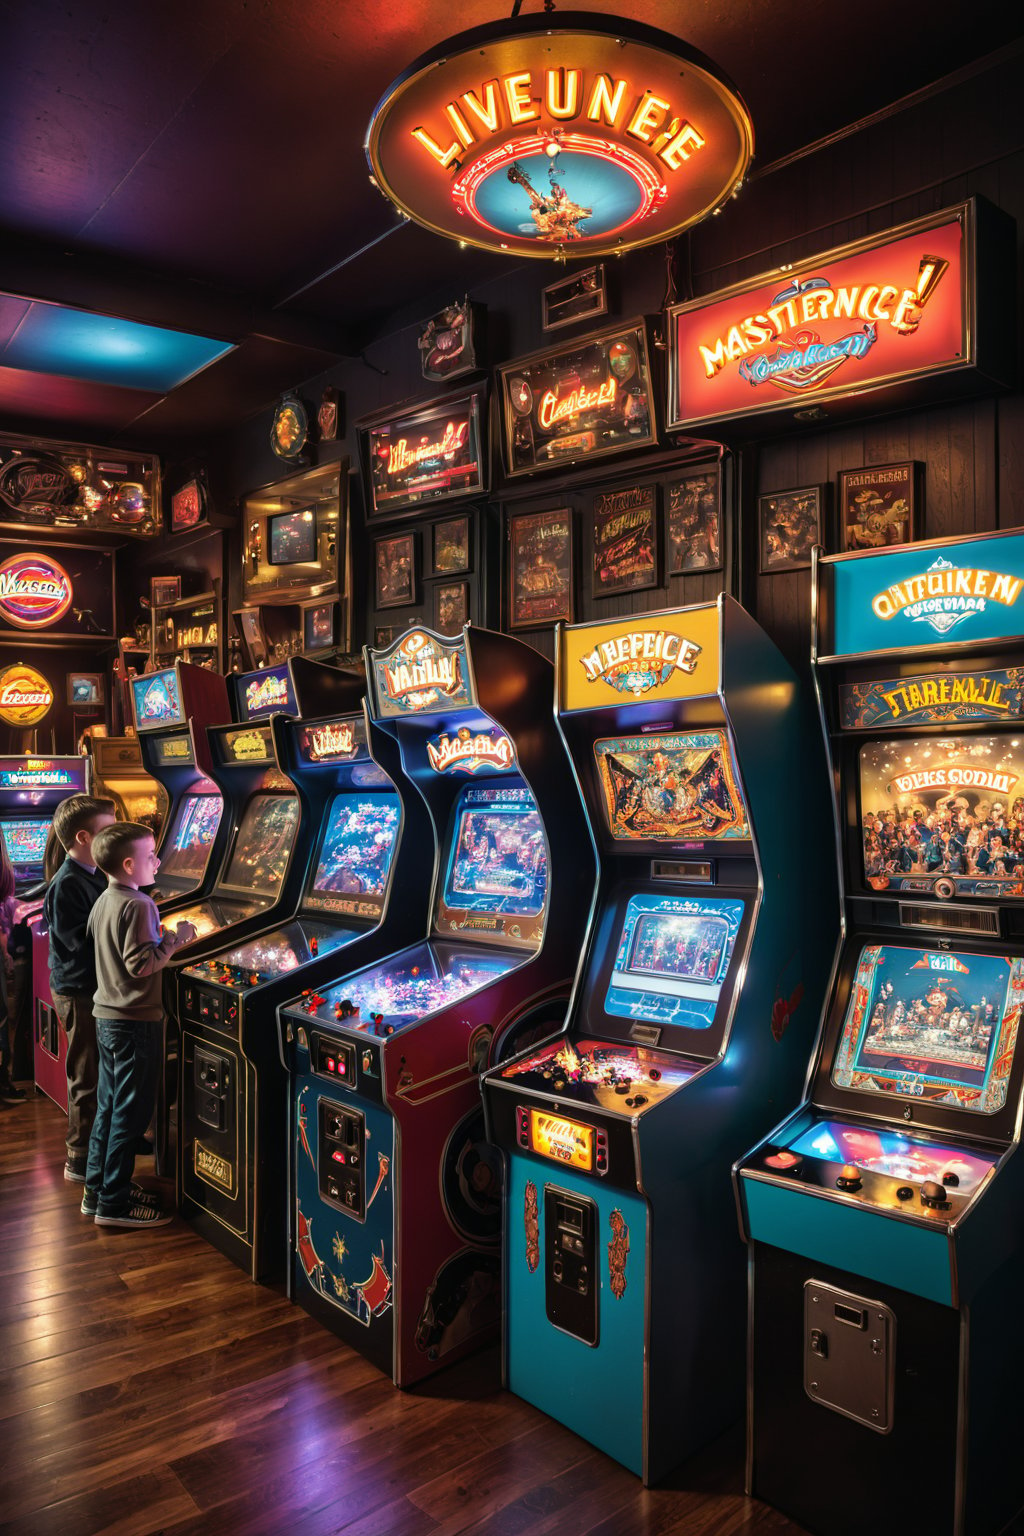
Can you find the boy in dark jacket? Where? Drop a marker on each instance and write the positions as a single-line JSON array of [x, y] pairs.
[[131, 952], [70, 897]]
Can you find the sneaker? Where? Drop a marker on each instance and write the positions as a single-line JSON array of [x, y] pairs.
[[10, 1093], [74, 1173], [138, 1214], [139, 1195]]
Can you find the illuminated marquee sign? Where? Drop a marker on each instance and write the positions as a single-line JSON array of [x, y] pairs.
[[35, 591], [433, 453], [25, 695], [421, 675], [933, 699], [554, 133], [564, 1141], [323, 743], [952, 776], [42, 773], [468, 751], [862, 317], [667, 655], [638, 661], [966, 591]]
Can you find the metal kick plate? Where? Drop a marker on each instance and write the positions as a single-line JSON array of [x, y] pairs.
[[849, 1351]]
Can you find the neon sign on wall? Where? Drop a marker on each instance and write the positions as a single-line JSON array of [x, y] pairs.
[[35, 591]]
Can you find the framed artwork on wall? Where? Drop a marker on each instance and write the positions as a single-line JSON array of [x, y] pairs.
[[451, 606], [878, 505], [582, 296], [540, 568], [394, 566], [164, 590], [449, 546], [86, 688], [693, 513], [625, 540], [789, 525], [383, 636], [319, 625]]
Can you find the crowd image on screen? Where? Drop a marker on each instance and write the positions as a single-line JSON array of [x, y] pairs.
[[939, 1023], [679, 946], [983, 840]]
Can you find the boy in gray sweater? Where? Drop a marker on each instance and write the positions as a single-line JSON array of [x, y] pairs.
[[131, 951]]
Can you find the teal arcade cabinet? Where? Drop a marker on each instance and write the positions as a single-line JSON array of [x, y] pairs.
[[885, 1217], [706, 957]]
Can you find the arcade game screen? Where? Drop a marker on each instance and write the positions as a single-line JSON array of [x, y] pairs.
[[944, 806], [356, 851], [25, 841], [157, 700], [208, 917], [901, 1157], [597, 1072], [670, 787], [931, 1025], [264, 843], [414, 983], [272, 954], [672, 959], [186, 847], [293, 537], [498, 860]]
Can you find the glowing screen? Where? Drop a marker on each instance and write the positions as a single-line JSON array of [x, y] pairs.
[[901, 1157], [673, 957], [274, 953], [157, 699], [358, 844], [187, 846], [264, 843], [498, 860], [931, 1025], [25, 840], [416, 982], [671, 787]]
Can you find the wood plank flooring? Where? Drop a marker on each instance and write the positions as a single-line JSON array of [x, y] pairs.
[[146, 1386]]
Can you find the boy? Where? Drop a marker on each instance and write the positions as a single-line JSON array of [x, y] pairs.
[[131, 951], [70, 897]]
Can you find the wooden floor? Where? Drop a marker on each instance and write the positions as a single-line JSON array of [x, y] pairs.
[[147, 1386]]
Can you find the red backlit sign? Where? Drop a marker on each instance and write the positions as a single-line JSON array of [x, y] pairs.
[[854, 319]]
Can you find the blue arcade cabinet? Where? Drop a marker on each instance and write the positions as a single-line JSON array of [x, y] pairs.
[[884, 1216], [706, 957]]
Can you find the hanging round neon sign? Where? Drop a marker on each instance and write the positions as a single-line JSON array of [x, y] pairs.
[[560, 135], [35, 591]]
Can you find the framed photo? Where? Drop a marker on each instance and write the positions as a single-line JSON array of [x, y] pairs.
[[394, 567], [540, 568], [86, 689], [449, 546], [583, 296], [878, 505], [789, 526], [625, 540], [189, 506], [383, 636], [319, 626], [164, 590], [451, 606], [693, 515]]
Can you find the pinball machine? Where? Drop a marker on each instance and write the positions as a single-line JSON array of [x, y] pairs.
[[706, 953], [395, 1195], [361, 833], [883, 1216]]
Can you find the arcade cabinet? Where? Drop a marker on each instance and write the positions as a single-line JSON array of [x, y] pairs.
[[116, 773], [884, 1215], [362, 831], [707, 949], [395, 1196]]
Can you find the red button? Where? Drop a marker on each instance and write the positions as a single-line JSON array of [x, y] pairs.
[[782, 1160]]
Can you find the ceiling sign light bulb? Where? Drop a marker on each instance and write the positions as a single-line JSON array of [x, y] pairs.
[[560, 140]]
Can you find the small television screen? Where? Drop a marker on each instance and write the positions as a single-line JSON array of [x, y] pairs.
[[266, 692], [673, 957], [186, 847], [156, 700], [25, 841], [944, 808], [932, 1025], [499, 859], [671, 787], [293, 537], [354, 859], [264, 843]]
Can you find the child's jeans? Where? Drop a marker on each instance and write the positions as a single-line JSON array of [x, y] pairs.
[[129, 1054]]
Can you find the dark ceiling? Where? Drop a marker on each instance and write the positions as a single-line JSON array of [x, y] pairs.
[[199, 164]]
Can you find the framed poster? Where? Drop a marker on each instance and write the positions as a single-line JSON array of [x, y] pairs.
[[164, 590], [449, 546], [383, 636], [878, 505], [693, 515], [451, 606], [394, 566], [540, 568], [433, 451], [789, 526], [625, 540], [583, 296], [319, 625], [86, 688], [589, 398], [189, 506]]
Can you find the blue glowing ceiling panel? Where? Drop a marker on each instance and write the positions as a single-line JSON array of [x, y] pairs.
[[75, 344]]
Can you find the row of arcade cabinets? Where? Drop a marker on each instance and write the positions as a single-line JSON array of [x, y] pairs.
[[394, 1195], [624, 1282], [884, 1215]]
